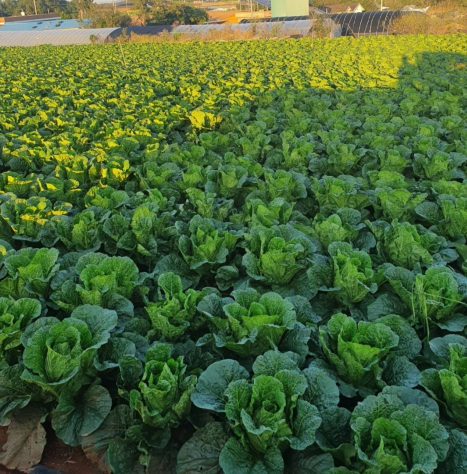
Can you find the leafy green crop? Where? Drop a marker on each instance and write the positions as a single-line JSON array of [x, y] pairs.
[[236, 257], [15, 317], [163, 395], [172, 317], [56, 351], [355, 350], [265, 415], [399, 431], [275, 255], [447, 384], [250, 324]]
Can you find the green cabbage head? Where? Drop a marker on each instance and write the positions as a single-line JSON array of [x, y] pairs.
[[398, 432], [57, 351], [163, 395]]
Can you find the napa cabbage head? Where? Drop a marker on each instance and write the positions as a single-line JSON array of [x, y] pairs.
[[267, 414], [96, 279], [268, 214], [249, 324], [57, 351], [406, 245], [205, 244], [353, 277], [343, 226], [393, 198], [29, 273], [399, 432], [344, 191], [33, 219], [432, 297], [276, 254], [15, 317], [356, 350], [162, 398], [448, 382], [174, 314]]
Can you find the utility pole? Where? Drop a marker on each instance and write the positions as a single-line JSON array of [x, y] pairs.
[[35, 8]]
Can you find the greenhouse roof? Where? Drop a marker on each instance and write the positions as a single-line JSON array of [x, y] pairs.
[[55, 38], [367, 23], [353, 24], [148, 30]]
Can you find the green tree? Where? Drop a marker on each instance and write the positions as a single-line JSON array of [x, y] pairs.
[[106, 17], [7, 7], [14, 7], [167, 14]]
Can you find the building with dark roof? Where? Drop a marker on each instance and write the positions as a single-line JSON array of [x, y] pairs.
[[14, 19]]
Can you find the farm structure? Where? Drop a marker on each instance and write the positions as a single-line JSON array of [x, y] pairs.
[[375, 23]]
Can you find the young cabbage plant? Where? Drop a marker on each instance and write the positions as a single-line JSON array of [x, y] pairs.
[[15, 317], [172, 316], [206, 244], [399, 431], [251, 324], [162, 398], [275, 255], [447, 383], [267, 415], [432, 298], [356, 350], [55, 352]]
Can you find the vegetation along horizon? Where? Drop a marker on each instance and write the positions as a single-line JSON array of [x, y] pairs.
[[239, 257]]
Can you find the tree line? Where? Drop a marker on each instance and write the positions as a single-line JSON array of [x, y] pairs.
[[159, 12]]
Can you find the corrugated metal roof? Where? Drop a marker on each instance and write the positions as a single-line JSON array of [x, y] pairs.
[[55, 38], [41, 25]]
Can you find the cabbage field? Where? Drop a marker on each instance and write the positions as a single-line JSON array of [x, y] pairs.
[[236, 257]]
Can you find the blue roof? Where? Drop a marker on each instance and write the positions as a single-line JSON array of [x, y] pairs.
[[41, 25]]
